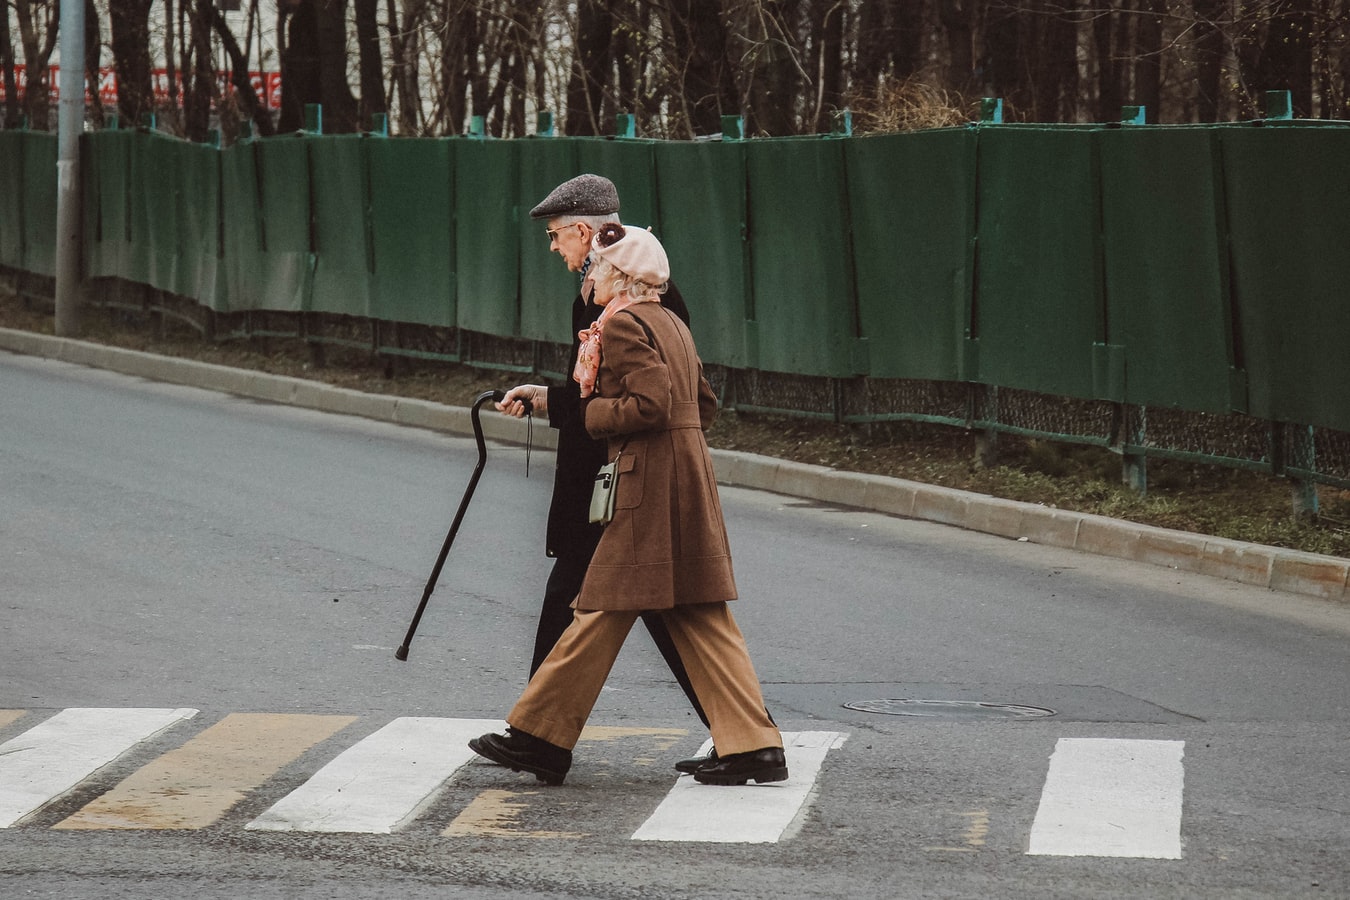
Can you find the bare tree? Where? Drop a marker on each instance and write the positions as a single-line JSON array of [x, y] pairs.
[[371, 61], [130, 22], [11, 84], [38, 21]]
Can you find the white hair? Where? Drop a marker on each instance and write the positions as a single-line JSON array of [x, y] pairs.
[[602, 269]]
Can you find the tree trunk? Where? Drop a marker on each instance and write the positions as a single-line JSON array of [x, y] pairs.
[[1108, 67], [828, 25], [704, 89], [197, 97], [12, 110], [956, 18], [371, 62], [771, 71], [339, 105], [37, 55], [591, 63], [1286, 63], [1148, 58], [1209, 51], [131, 59], [93, 51]]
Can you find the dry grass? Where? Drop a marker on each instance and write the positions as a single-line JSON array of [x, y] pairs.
[[909, 105]]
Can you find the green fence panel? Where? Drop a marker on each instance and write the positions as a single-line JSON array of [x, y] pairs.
[[630, 165], [911, 197], [487, 236], [108, 163], [547, 288], [1289, 221], [90, 219], [286, 261], [156, 226], [411, 205], [1038, 308], [200, 273], [342, 249], [1166, 268], [804, 303], [11, 198], [39, 202], [703, 227], [241, 228], [142, 178]]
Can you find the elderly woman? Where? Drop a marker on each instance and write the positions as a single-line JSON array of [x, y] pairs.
[[666, 547]]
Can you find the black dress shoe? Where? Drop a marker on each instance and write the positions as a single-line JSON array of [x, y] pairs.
[[523, 752], [758, 766], [688, 766]]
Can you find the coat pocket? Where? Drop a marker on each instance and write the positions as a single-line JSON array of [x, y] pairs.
[[629, 475]]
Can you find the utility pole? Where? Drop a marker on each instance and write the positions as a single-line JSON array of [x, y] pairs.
[[70, 125]]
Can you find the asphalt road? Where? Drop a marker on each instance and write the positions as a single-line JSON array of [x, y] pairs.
[[164, 547]]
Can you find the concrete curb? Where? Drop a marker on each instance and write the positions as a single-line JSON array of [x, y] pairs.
[[1308, 574]]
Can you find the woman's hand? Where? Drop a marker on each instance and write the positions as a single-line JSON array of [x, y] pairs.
[[513, 404]]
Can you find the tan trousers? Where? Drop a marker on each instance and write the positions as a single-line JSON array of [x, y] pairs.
[[559, 697]]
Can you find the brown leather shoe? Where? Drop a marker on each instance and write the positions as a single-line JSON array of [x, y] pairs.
[[523, 752], [758, 766]]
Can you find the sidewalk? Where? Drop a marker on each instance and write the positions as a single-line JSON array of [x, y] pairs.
[[1309, 574]]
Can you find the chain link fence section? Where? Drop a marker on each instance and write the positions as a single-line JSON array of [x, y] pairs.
[[1303, 453]]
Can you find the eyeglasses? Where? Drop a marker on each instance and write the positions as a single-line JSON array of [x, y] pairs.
[[553, 232]]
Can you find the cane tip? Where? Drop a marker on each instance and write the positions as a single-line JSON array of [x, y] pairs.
[[401, 653]]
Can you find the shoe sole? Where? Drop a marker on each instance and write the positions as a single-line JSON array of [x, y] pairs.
[[487, 751], [763, 776]]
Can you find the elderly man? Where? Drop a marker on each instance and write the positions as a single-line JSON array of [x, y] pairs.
[[572, 214]]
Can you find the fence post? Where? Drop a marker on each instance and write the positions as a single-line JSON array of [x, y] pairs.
[[314, 118], [733, 128], [991, 110], [625, 125], [1279, 105], [543, 124], [1134, 418], [1301, 454]]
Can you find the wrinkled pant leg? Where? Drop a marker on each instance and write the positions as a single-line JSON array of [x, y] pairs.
[[559, 698], [564, 583], [656, 626], [714, 652]]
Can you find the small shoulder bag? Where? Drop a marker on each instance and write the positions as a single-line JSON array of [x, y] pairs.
[[605, 490]]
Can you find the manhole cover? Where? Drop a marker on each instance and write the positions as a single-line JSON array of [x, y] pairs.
[[950, 709]]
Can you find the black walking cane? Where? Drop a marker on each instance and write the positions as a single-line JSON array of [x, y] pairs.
[[402, 652]]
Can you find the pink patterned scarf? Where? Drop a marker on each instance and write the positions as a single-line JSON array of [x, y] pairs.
[[588, 356]]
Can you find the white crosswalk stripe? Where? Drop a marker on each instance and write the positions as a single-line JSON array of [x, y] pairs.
[[1101, 797], [48, 760], [1111, 798], [382, 782], [749, 814]]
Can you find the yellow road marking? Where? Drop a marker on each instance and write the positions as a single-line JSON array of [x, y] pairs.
[[495, 813], [979, 827], [196, 784], [665, 737], [10, 715]]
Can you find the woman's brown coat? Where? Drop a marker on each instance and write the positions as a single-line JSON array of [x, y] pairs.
[[667, 543]]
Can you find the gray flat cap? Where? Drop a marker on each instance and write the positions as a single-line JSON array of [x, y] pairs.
[[585, 195]]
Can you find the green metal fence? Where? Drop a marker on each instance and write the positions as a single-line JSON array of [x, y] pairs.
[[1160, 290]]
